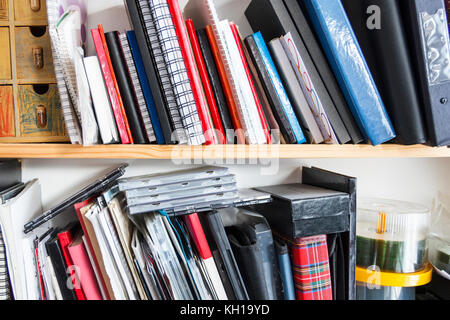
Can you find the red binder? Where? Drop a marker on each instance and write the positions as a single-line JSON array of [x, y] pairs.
[[65, 239], [188, 56], [112, 92], [226, 87], [250, 80], [206, 83]]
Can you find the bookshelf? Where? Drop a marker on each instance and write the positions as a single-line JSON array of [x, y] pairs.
[[155, 152]]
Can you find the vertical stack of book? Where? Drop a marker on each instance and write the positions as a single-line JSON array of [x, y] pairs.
[[296, 80]]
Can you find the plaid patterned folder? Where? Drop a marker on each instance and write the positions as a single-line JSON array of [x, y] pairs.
[[311, 268], [4, 277], [173, 56], [137, 87]]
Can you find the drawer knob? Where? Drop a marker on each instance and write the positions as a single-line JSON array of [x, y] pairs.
[[38, 57], [35, 5], [41, 116]]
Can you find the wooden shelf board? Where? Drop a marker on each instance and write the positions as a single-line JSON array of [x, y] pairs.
[[67, 151]]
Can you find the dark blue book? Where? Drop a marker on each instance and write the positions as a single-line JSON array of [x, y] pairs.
[[282, 96], [145, 87], [350, 67]]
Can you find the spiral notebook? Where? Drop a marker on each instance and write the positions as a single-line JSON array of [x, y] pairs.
[[70, 118]]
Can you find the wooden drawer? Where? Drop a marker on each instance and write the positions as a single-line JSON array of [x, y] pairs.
[[34, 58], [5, 54], [40, 111], [7, 128], [4, 10], [33, 12]]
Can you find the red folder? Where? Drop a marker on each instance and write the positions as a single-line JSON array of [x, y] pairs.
[[65, 239], [250, 80], [86, 274], [78, 207], [188, 56], [206, 83], [226, 86], [112, 92]]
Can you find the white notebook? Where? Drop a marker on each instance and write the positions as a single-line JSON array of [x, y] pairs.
[[102, 105]]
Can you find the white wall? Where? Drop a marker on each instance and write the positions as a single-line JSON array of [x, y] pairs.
[[404, 179], [415, 180]]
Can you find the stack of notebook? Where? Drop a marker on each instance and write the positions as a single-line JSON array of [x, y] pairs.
[[191, 78]]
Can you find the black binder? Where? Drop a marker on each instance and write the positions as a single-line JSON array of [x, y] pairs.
[[386, 52], [432, 79], [253, 246]]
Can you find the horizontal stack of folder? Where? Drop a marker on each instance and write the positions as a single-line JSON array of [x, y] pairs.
[[187, 77]]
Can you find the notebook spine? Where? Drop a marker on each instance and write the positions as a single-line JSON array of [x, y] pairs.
[[149, 67], [163, 73], [186, 50], [178, 72], [206, 83], [232, 107], [137, 88], [110, 87], [287, 110], [238, 40]]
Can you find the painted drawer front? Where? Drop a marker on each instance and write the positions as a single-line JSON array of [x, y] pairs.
[[40, 111], [7, 128]]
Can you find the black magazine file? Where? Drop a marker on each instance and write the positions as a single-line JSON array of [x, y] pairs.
[[342, 246], [10, 173]]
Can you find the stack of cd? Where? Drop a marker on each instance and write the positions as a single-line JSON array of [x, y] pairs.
[[180, 192], [392, 249]]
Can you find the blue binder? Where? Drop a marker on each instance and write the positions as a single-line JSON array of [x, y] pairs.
[[350, 67], [145, 87], [278, 84]]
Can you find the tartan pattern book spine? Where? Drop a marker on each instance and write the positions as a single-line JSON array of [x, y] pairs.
[[311, 268]]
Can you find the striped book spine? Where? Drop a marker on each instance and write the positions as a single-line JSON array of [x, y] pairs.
[[4, 278], [70, 118], [137, 88], [178, 73], [161, 67]]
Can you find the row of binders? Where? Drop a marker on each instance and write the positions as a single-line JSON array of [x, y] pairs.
[[297, 79], [214, 248]]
